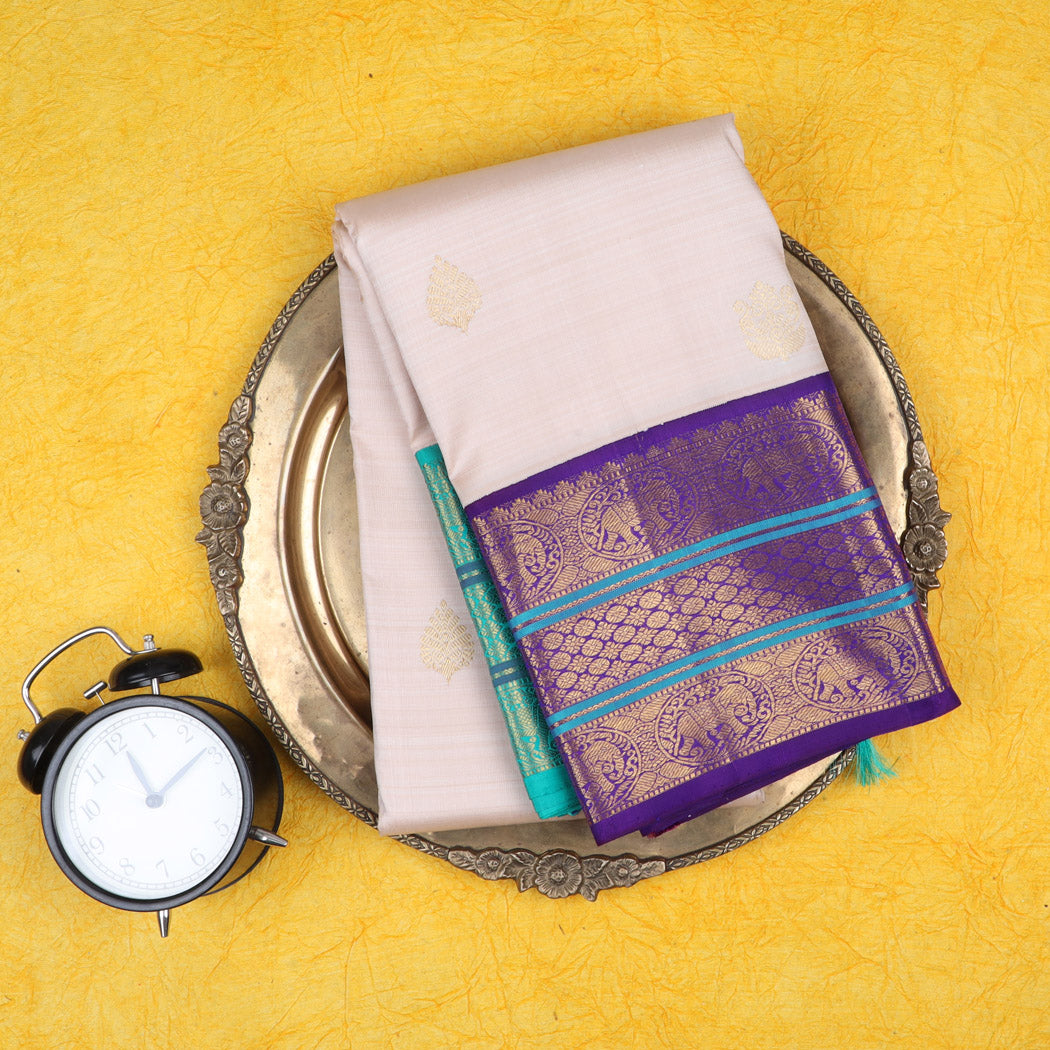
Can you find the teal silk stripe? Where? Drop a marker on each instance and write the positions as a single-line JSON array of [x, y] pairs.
[[507, 676], [470, 570], [711, 541], [504, 668], [725, 652], [720, 551], [551, 793], [546, 780]]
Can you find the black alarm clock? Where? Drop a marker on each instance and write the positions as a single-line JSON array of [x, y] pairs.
[[151, 801]]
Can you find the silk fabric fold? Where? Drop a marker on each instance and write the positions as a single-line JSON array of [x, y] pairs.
[[631, 405]]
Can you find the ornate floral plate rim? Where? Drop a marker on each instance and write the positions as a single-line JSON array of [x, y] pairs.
[[555, 872]]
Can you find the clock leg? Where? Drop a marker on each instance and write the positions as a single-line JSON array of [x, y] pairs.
[[163, 920], [269, 838]]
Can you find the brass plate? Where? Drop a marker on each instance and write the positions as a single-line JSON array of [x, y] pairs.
[[280, 528]]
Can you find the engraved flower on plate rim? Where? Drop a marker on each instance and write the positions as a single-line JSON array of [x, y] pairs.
[[558, 874], [623, 871], [225, 571], [222, 506], [922, 481], [235, 437], [925, 546], [492, 864]]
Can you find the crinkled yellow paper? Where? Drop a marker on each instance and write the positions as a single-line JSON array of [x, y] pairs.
[[168, 177]]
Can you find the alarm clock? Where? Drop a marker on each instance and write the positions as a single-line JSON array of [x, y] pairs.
[[150, 801]]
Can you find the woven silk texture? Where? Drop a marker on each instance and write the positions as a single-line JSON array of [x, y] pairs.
[[631, 406], [546, 780]]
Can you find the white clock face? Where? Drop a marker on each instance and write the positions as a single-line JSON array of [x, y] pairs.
[[148, 803]]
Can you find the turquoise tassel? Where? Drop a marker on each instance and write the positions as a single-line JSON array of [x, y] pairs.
[[870, 766]]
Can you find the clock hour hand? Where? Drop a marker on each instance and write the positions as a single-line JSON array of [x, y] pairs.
[[180, 774], [140, 776]]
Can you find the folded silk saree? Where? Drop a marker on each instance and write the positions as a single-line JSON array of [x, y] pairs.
[[443, 755], [605, 352]]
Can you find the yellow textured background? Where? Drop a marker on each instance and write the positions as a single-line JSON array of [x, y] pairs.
[[168, 178]]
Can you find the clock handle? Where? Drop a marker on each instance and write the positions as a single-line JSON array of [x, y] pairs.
[[57, 651], [40, 745]]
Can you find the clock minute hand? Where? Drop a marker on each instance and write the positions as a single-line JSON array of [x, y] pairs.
[[180, 774]]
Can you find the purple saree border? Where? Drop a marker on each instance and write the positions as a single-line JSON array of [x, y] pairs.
[[683, 427], [694, 795], [744, 775]]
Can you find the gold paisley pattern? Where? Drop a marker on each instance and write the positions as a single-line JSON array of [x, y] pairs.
[[453, 298], [447, 644], [771, 320]]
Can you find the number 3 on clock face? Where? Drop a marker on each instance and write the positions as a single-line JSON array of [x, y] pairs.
[[149, 804]]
